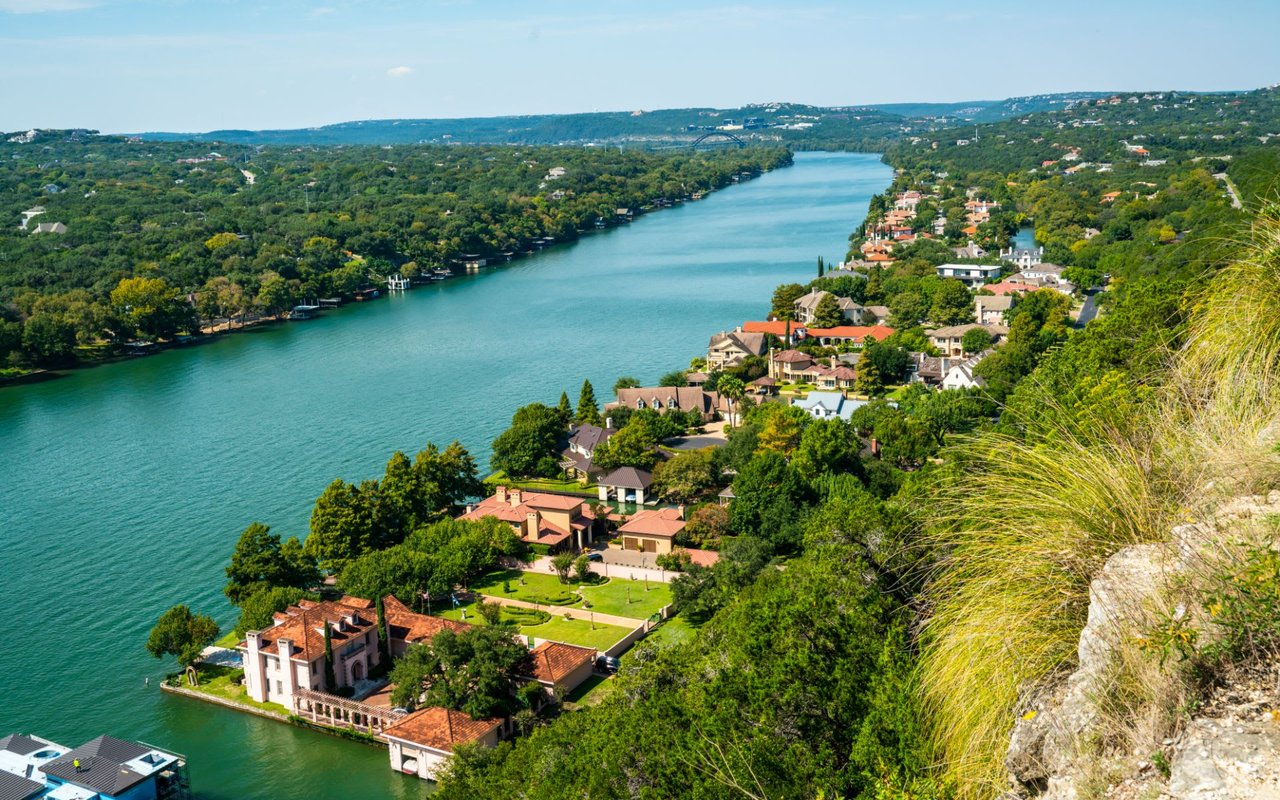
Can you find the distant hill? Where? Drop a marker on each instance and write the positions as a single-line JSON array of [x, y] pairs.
[[868, 128]]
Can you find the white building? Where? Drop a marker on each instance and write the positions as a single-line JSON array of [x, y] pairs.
[[971, 275]]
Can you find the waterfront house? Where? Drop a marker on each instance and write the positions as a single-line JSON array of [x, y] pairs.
[[626, 485], [948, 339], [290, 655], [828, 405], [798, 367], [667, 398], [807, 305], [423, 742], [583, 441], [728, 348], [550, 522], [853, 334], [993, 310], [652, 530], [971, 275], [105, 768]]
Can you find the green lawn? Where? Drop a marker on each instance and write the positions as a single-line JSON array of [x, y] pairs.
[[591, 691], [219, 682], [228, 640], [578, 630], [673, 631], [542, 484], [619, 596]]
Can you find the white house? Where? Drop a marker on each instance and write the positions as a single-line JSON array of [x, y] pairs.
[[423, 742], [960, 376], [993, 310], [971, 275], [1023, 257]]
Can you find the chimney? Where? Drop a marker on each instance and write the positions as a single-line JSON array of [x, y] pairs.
[[285, 648], [680, 508], [501, 494], [532, 518], [517, 497], [608, 423]]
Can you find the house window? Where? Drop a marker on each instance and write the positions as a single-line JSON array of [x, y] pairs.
[[279, 687], [315, 665]]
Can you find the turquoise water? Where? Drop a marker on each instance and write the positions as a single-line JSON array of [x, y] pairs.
[[123, 488]]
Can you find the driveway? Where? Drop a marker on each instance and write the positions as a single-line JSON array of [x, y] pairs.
[[1089, 310], [713, 435]]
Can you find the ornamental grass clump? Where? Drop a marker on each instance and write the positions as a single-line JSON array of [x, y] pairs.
[[1022, 534], [1034, 519]]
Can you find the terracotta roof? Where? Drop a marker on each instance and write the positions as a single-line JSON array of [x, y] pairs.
[[791, 356], [858, 332], [405, 624], [303, 625], [661, 522], [703, 558], [440, 728], [553, 661], [1009, 287]]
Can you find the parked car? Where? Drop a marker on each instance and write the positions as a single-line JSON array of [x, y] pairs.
[[607, 664], [594, 557]]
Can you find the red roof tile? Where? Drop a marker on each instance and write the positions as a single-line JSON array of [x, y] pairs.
[[440, 728]]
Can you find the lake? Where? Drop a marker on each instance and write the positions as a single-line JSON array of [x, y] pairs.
[[124, 487]]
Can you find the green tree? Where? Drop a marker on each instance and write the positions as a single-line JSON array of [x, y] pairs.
[[952, 303], [635, 445], [821, 266], [258, 610], [562, 563], [261, 561], [625, 382], [770, 501], [731, 388], [827, 446], [151, 307], [181, 634], [330, 679], [384, 633], [687, 476], [564, 409], [588, 409], [781, 427], [674, 378], [827, 313], [782, 306], [529, 447], [48, 339], [867, 381], [476, 672], [342, 526], [582, 569], [975, 340], [708, 525], [907, 309]]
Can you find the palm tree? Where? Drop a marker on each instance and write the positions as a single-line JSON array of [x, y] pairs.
[[732, 389]]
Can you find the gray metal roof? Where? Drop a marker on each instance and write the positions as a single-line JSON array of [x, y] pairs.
[[21, 744], [16, 787]]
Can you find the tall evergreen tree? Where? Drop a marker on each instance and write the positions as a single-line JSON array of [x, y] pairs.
[[330, 680], [821, 267], [588, 411], [564, 409], [384, 635]]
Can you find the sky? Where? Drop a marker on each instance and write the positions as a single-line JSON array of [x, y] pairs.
[[196, 65]]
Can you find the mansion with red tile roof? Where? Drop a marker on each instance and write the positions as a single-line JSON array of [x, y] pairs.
[[553, 520], [855, 334]]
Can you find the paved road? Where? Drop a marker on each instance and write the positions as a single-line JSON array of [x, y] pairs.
[[1089, 310], [1231, 189]]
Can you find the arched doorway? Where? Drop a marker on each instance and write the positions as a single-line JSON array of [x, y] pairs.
[[357, 671]]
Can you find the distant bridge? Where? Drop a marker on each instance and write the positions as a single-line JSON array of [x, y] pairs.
[[728, 138]]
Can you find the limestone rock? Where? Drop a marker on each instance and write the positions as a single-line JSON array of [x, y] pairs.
[[1236, 762]]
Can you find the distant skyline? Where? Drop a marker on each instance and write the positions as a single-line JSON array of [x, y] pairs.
[[183, 65]]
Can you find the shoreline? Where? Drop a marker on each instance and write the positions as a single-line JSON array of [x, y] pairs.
[[209, 334]]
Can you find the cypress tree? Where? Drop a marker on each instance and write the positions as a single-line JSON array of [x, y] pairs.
[[564, 409], [384, 637], [588, 411], [331, 681], [821, 266]]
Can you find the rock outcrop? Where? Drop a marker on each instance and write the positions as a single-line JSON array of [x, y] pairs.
[[1229, 751]]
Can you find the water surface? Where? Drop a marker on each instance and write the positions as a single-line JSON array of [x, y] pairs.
[[123, 488]]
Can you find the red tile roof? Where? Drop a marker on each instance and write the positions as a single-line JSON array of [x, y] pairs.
[[855, 332], [1009, 287], [405, 624], [553, 661], [303, 625], [662, 522], [440, 729]]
